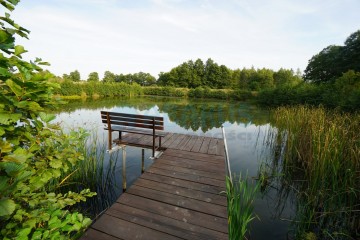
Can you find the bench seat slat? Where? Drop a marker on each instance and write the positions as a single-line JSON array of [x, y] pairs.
[[103, 113], [138, 125], [135, 130], [135, 120]]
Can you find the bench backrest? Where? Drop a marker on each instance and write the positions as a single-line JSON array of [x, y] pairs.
[[132, 120]]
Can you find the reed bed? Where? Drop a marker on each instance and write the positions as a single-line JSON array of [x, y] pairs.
[[98, 172], [240, 198], [321, 165]]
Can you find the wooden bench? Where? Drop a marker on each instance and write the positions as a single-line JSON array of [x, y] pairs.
[[133, 123]]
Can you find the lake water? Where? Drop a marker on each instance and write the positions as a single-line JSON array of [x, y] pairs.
[[246, 126]]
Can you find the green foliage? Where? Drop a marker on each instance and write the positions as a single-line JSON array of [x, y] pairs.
[[333, 61], [344, 93], [93, 77], [107, 89], [33, 152], [320, 165], [109, 77], [165, 91], [240, 199], [73, 76]]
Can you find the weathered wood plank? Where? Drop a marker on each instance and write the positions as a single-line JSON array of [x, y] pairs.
[[213, 146], [190, 144], [190, 171], [195, 156], [182, 191], [205, 145], [179, 138], [126, 230], [178, 213], [170, 140], [183, 142], [175, 182], [197, 144], [163, 224], [178, 200], [189, 177], [92, 234], [183, 162]]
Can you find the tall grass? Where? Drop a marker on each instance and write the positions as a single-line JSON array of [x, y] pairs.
[[321, 165], [240, 197], [98, 173]]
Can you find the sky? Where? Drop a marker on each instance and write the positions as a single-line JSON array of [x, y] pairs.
[[129, 36]]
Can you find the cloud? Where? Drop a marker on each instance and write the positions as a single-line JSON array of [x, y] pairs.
[[156, 35]]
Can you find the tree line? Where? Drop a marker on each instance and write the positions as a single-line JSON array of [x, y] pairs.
[[193, 74]]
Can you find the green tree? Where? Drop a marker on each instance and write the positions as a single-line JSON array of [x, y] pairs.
[[73, 76], [333, 61], [286, 77], [34, 154], [109, 77], [324, 66], [93, 77]]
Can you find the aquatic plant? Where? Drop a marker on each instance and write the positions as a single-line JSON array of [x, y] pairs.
[[321, 165], [240, 198]]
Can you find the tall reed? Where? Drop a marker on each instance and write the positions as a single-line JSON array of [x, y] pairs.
[[98, 172], [321, 164], [240, 198]]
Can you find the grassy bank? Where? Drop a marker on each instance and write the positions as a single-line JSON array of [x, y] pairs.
[[78, 90], [318, 155]]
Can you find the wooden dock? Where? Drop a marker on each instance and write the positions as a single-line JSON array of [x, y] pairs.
[[178, 197]]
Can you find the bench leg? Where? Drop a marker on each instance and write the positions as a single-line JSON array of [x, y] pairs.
[[120, 133], [160, 142], [109, 139], [153, 148]]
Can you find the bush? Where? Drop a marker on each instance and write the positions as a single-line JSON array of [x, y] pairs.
[[33, 153]]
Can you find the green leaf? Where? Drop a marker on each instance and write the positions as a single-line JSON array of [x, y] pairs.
[[7, 207], [2, 132], [3, 183], [19, 156], [36, 235], [46, 117], [56, 163], [19, 50], [23, 233], [11, 168], [14, 87], [5, 147], [6, 118], [4, 72]]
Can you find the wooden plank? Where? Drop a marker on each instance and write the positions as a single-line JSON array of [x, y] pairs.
[[181, 191], [175, 182], [187, 163], [169, 141], [221, 148], [179, 138], [183, 142], [197, 144], [127, 230], [190, 144], [174, 212], [180, 201], [195, 156], [213, 146], [104, 114], [166, 137], [191, 171], [163, 224], [189, 177], [92, 234], [205, 145]]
